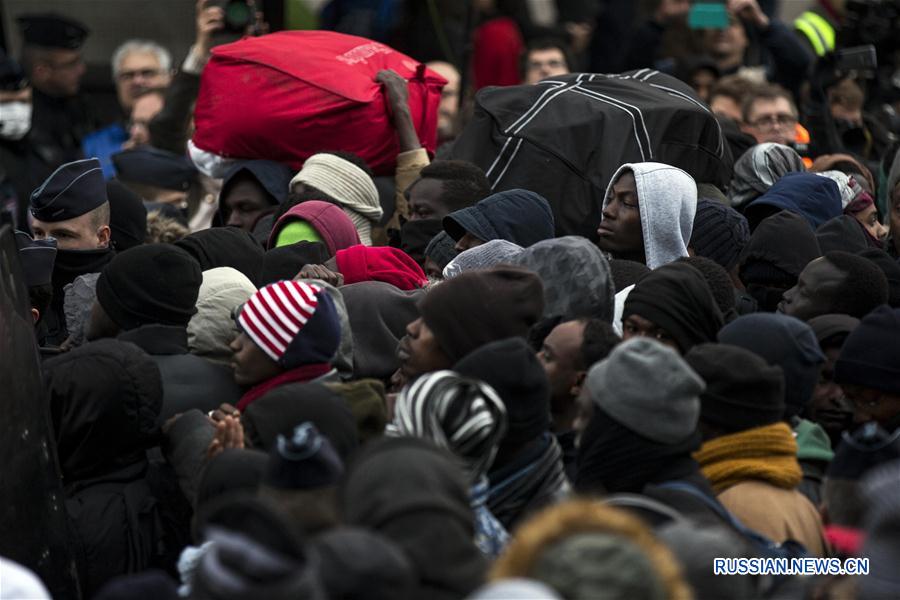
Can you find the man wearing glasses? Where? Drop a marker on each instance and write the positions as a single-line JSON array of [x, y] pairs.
[[51, 56], [770, 115]]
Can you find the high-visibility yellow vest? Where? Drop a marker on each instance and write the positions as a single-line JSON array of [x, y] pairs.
[[818, 31]]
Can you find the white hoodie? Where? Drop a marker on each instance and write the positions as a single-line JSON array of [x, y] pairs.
[[667, 199]]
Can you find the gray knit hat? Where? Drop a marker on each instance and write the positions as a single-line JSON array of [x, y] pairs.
[[648, 388], [484, 256]]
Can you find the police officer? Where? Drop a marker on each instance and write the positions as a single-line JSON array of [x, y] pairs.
[[51, 56], [72, 207]]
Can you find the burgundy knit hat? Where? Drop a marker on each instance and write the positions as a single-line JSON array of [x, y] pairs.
[[381, 263], [293, 322]]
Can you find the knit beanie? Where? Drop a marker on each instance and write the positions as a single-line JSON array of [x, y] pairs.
[[677, 298], [864, 449], [441, 249], [511, 367], [293, 322], [891, 269], [870, 357], [153, 283], [479, 307], [304, 461], [720, 233], [829, 326], [383, 263], [349, 185], [742, 390], [648, 388], [484, 256]]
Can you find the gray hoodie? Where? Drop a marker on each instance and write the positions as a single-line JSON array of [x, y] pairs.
[[667, 197]]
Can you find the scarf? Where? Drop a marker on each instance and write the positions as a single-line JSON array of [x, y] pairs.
[[301, 374], [767, 453], [490, 535], [533, 480]]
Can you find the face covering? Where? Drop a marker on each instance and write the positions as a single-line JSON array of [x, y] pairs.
[[15, 120]]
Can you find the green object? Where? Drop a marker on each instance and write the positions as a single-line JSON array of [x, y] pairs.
[[708, 15], [812, 442], [297, 231], [298, 14], [818, 31]]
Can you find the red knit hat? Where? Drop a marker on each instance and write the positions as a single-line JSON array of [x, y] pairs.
[[382, 263], [293, 322]]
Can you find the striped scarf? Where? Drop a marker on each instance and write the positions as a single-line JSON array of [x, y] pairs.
[[536, 478], [767, 453], [462, 415]]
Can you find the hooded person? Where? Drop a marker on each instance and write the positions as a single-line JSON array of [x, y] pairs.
[[416, 235], [844, 233], [816, 199], [785, 342], [152, 310], [439, 252], [314, 221], [839, 282], [641, 406], [648, 213], [583, 549], [485, 256], [287, 261], [891, 270], [778, 251], [72, 206], [868, 367], [225, 247], [758, 169], [346, 185], [127, 216], [528, 472], [576, 276], [749, 454], [846, 164], [391, 265], [290, 333], [105, 399], [518, 216], [674, 305], [378, 314], [357, 564], [829, 407], [251, 191], [720, 234], [467, 312], [211, 330], [426, 513], [467, 418]]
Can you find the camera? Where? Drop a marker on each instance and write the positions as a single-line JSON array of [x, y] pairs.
[[239, 14]]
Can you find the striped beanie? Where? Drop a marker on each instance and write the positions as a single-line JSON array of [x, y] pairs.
[[293, 322], [462, 415]]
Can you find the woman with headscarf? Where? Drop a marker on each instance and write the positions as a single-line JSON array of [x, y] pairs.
[[674, 305], [467, 418]]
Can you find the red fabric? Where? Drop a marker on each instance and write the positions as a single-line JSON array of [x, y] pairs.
[[846, 541], [498, 48], [299, 375], [274, 315], [329, 220], [381, 263], [287, 95]]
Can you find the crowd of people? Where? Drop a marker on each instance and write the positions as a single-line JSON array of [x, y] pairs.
[[271, 382]]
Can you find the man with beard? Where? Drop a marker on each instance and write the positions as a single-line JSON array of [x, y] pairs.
[[72, 207]]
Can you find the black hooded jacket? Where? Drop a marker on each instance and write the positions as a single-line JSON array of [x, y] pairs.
[[125, 515]]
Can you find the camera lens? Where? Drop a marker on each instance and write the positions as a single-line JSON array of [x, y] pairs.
[[237, 15]]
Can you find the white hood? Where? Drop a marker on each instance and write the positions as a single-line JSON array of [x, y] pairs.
[[667, 198]]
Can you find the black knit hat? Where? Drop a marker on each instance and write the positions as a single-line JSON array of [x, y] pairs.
[[867, 447], [479, 307], [742, 390], [871, 355], [154, 283], [677, 298], [511, 367], [720, 233], [304, 461]]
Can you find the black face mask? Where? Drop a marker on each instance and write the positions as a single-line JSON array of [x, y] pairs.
[[851, 133], [72, 263], [767, 298]]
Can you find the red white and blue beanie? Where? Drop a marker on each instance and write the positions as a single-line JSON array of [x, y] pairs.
[[293, 322]]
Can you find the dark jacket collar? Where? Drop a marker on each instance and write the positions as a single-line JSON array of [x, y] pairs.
[[158, 339]]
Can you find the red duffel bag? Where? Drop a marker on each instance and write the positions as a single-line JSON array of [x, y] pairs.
[[288, 95]]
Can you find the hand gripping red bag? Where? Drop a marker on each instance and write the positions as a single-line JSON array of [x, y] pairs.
[[288, 95]]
